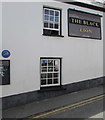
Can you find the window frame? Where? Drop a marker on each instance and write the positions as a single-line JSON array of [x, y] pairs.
[[59, 72], [59, 23]]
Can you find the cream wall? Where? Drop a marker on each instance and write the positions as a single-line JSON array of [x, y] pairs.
[[22, 29], [0, 40]]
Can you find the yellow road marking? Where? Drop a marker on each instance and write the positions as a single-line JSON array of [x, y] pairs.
[[82, 103]]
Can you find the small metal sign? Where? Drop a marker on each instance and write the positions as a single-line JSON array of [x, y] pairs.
[[5, 53], [85, 25]]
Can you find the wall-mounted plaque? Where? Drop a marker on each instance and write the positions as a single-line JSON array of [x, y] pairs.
[[85, 25], [6, 53], [4, 72]]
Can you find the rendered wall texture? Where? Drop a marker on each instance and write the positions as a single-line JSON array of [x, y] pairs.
[[22, 29]]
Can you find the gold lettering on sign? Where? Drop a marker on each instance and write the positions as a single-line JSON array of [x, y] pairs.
[[76, 21], [72, 20], [85, 30], [84, 22], [97, 25], [89, 23]]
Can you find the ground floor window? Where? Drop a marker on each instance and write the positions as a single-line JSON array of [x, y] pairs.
[[50, 72]]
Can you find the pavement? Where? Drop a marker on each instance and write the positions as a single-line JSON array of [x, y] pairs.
[[43, 106], [99, 115]]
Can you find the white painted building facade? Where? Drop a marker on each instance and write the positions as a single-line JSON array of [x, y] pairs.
[[74, 59]]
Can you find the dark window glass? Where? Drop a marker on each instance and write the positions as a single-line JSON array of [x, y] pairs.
[[44, 62], [50, 32], [49, 81], [44, 69], [55, 74], [51, 12], [43, 75], [56, 26], [43, 82], [56, 13], [50, 62], [51, 25], [49, 75], [46, 11], [46, 25], [55, 81]]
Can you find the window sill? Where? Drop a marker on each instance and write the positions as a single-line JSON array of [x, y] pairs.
[[53, 35], [54, 88]]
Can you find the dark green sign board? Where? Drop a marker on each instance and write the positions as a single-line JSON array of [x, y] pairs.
[[85, 25], [4, 72]]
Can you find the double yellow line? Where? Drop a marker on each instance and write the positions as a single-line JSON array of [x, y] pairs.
[[69, 107]]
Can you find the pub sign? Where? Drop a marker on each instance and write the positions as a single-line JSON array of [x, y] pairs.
[[83, 24]]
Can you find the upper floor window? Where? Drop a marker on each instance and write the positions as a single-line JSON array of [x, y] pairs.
[[51, 22]]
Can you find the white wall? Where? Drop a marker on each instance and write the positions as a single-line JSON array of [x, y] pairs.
[[0, 39], [0, 56], [104, 43], [82, 58]]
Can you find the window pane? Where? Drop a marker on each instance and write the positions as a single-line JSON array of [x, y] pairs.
[[43, 82], [50, 69], [56, 19], [44, 69], [56, 69], [46, 25], [50, 62], [56, 62], [49, 81], [49, 75], [43, 75], [46, 17], [56, 13], [55, 74], [52, 18], [56, 26], [46, 11], [55, 81], [51, 25], [44, 62], [51, 12], [51, 32]]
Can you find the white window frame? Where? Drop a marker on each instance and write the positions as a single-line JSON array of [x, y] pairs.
[[53, 22], [59, 72]]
